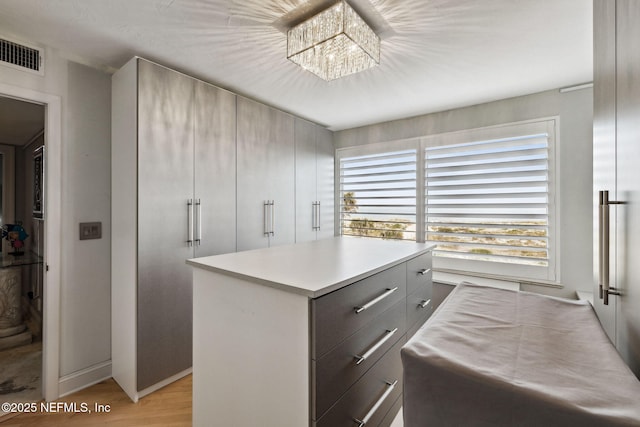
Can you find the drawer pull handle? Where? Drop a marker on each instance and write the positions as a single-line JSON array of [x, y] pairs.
[[424, 303], [376, 406], [375, 300], [424, 271], [375, 347]]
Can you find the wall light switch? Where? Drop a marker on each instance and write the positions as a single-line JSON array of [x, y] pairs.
[[90, 230]]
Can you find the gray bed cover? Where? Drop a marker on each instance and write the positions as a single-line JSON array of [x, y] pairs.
[[494, 357]]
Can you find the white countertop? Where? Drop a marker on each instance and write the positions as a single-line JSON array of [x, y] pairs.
[[314, 268]]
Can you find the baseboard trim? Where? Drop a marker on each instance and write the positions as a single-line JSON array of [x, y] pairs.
[[158, 386], [84, 378]]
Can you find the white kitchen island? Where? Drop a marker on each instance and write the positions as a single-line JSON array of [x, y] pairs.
[[279, 333]]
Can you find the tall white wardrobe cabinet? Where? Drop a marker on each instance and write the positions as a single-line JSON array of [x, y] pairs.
[[173, 198], [616, 157], [314, 181], [266, 171], [197, 171], [285, 178]]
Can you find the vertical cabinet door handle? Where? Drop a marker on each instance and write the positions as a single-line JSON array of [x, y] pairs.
[[601, 214], [190, 222], [273, 216], [604, 287], [266, 210], [313, 215], [198, 222], [605, 247]]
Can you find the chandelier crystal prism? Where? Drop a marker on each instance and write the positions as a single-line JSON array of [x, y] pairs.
[[334, 43]]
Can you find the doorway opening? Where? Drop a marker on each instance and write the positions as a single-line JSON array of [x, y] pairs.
[[22, 142], [52, 231]]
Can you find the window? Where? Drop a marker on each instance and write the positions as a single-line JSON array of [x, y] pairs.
[[488, 199], [486, 196], [378, 195]]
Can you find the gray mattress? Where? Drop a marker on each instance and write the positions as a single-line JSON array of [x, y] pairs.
[[494, 357]]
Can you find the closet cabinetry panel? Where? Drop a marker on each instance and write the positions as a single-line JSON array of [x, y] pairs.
[[628, 182], [173, 190], [165, 182], [604, 142], [306, 171], [215, 168], [314, 181], [616, 155], [266, 173], [325, 158]]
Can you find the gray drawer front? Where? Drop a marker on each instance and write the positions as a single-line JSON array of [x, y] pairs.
[[414, 267], [411, 330], [415, 311], [357, 402], [391, 415], [337, 370], [334, 318]]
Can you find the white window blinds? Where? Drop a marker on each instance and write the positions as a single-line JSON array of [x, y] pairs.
[[488, 200], [378, 195]]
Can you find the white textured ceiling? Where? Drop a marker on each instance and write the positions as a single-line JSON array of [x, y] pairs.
[[435, 54]]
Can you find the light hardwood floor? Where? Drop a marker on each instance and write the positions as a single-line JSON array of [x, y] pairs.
[[169, 406]]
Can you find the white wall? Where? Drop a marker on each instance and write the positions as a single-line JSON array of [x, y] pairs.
[[85, 93], [86, 184], [574, 158]]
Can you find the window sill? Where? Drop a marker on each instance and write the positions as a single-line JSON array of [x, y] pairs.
[[453, 277]]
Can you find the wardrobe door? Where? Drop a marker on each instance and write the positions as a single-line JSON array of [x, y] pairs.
[[165, 180], [281, 177], [253, 171], [215, 170], [266, 173], [306, 196], [325, 164], [627, 215], [604, 148]]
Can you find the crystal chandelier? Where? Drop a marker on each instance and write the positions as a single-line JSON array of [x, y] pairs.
[[334, 43]]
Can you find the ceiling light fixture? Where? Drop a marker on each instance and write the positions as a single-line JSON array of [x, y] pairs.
[[334, 43]]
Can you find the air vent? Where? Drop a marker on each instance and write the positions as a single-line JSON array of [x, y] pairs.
[[21, 57]]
